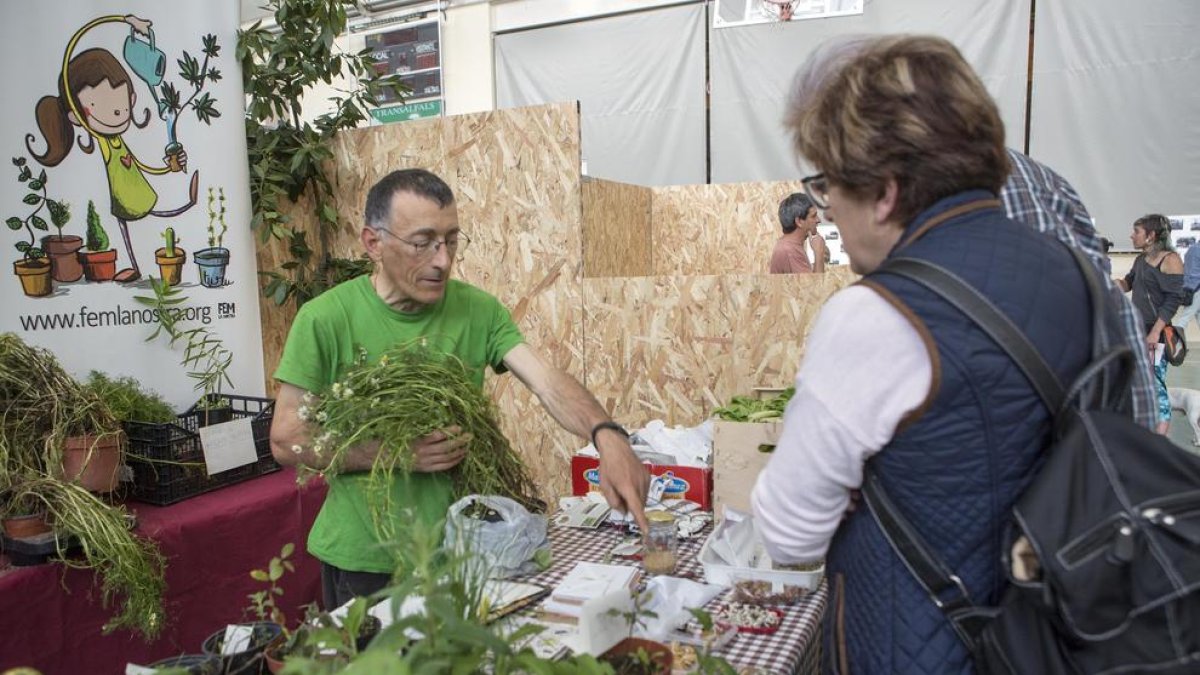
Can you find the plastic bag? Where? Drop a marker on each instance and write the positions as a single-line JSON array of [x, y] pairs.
[[501, 531]]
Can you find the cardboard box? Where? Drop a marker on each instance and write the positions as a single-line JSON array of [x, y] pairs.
[[687, 482], [737, 460]]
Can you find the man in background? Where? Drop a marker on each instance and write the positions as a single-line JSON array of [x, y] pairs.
[[798, 218]]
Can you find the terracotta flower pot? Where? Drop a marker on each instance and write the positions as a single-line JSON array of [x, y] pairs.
[[35, 277], [171, 266], [64, 264], [93, 461], [99, 265], [23, 527]]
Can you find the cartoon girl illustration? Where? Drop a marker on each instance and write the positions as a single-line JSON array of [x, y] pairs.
[[96, 94]]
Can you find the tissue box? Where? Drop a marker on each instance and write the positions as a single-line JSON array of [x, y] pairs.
[[737, 460], [687, 482]]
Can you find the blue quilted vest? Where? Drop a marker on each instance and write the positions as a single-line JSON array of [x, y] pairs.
[[956, 465]]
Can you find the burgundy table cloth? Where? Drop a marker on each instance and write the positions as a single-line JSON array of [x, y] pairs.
[[51, 619]]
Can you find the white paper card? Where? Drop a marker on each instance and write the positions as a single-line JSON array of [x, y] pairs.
[[228, 445], [134, 669], [237, 639], [600, 623]]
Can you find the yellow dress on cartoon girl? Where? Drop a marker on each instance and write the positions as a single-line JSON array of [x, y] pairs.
[[95, 93]]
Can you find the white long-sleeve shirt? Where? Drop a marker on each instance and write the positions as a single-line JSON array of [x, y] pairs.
[[865, 367]]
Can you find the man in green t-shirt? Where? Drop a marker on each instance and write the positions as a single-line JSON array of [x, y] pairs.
[[412, 235]]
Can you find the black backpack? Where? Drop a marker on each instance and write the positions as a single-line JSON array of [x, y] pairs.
[[1112, 517]]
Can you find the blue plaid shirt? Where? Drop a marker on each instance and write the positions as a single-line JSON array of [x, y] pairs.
[[1038, 197]]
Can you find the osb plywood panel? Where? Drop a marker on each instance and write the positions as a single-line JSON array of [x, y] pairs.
[[617, 238], [658, 347], [773, 314], [515, 174], [728, 228], [674, 348]]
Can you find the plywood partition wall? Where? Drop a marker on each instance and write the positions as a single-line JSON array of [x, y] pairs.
[[717, 229], [516, 177], [617, 239], [675, 347]]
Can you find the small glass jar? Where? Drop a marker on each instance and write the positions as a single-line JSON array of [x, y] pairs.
[[659, 554]]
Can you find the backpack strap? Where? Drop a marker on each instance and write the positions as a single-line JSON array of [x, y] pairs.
[[951, 288]]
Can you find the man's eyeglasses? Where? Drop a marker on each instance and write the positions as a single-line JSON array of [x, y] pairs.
[[427, 247], [817, 189]]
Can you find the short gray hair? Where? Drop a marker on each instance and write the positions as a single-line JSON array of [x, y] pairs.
[[795, 205]]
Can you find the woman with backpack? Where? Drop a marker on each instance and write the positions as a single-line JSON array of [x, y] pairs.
[[1156, 280]]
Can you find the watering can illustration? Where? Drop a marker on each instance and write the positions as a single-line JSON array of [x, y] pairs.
[[144, 59]]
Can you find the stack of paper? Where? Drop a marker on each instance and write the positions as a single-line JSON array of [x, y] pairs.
[[586, 582]]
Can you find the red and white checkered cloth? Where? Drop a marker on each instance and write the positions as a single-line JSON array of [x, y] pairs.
[[793, 648]]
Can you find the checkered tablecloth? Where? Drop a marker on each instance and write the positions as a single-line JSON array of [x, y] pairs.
[[794, 648]]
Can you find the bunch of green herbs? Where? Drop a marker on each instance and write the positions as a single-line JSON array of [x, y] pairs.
[[411, 392], [753, 409], [128, 400]]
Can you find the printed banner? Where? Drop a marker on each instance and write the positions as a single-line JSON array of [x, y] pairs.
[[124, 127]]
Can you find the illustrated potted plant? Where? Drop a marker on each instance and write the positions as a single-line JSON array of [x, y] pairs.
[[99, 261], [33, 269], [64, 265], [170, 258], [213, 260]]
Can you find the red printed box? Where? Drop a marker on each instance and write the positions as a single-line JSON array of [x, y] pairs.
[[683, 482]]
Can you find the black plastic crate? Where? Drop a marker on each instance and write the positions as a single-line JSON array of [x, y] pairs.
[[168, 461]]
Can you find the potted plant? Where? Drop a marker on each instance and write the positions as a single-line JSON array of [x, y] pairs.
[[99, 261], [213, 260], [53, 425], [638, 656], [33, 269], [128, 400], [204, 353], [288, 153], [271, 628], [170, 258], [188, 664], [24, 518]]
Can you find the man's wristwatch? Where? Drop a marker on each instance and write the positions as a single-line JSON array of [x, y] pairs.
[[607, 425]]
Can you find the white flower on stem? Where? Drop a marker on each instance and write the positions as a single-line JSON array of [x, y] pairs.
[[305, 413], [347, 392], [322, 416], [337, 389], [297, 449]]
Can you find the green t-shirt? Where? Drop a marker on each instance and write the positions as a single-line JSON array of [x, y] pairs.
[[323, 343]]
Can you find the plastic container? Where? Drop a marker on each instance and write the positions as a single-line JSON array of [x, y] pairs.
[[785, 586], [167, 459]]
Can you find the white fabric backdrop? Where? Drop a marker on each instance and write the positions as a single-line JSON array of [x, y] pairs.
[[752, 67], [99, 325], [1116, 105], [639, 79]]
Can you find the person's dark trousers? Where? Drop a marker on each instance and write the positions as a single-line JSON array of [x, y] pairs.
[[339, 586]]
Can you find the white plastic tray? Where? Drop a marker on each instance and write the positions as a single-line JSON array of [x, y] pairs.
[[717, 572]]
